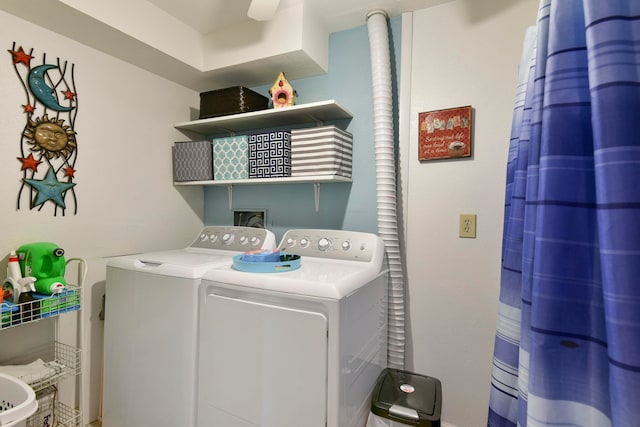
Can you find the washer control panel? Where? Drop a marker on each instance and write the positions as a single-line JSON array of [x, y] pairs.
[[240, 239], [336, 244]]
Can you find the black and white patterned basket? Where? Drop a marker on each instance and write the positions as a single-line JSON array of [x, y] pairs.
[[270, 154]]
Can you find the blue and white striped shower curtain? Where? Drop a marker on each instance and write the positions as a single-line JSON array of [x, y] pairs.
[[567, 348]]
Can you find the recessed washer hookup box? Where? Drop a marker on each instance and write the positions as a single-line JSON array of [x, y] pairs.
[[270, 154]]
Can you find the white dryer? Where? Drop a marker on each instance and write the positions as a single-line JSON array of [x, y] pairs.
[[151, 327], [295, 348]]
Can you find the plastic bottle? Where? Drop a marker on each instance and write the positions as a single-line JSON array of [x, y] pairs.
[[13, 267]]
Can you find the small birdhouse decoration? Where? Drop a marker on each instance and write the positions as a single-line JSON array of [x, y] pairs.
[[282, 92]]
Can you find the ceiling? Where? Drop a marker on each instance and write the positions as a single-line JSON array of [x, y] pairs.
[[209, 44], [207, 16]]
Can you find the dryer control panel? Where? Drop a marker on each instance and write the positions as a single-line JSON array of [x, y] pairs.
[[335, 244], [240, 239]]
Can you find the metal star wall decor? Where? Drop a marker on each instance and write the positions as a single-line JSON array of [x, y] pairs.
[[50, 188], [48, 138]]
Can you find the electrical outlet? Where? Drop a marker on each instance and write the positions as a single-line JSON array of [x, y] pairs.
[[468, 225]]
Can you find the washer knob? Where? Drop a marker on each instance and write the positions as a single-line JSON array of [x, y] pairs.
[[244, 240], [324, 244], [213, 238], [227, 238], [291, 242], [304, 242], [203, 237], [255, 240], [346, 245]]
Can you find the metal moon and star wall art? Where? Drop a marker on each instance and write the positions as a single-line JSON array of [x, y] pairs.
[[48, 144]]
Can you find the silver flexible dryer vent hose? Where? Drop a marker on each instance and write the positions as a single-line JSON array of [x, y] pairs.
[[386, 181]]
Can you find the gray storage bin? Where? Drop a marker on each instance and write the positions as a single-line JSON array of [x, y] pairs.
[[193, 161], [405, 398]]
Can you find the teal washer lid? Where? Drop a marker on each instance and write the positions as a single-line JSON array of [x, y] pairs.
[[408, 398]]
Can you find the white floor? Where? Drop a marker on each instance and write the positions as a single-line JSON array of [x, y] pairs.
[[97, 424]]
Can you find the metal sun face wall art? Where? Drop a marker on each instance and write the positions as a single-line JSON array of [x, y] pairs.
[[48, 144]]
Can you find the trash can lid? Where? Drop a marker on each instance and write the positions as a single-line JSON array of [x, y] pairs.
[[407, 397]]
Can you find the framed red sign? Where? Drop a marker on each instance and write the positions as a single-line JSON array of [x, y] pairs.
[[445, 134]]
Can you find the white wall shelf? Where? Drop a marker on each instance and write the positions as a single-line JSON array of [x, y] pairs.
[[316, 180], [314, 112], [260, 181]]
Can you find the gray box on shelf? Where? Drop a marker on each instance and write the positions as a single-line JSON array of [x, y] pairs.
[[325, 150], [193, 161], [270, 154], [230, 158]]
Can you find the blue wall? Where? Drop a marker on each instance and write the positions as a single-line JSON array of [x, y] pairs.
[[349, 206]]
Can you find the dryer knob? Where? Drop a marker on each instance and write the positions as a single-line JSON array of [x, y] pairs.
[[324, 244]]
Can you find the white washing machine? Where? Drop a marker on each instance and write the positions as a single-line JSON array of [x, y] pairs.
[[296, 348], [151, 327]]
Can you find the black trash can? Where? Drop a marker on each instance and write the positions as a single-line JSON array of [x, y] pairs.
[[407, 398]]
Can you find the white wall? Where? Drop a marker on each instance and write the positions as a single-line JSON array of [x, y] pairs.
[[126, 200], [464, 53]]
